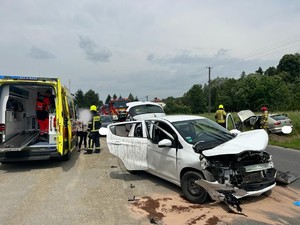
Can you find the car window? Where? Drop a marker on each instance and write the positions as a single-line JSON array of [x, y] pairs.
[[160, 131], [138, 130], [121, 129], [144, 109], [279, 117]]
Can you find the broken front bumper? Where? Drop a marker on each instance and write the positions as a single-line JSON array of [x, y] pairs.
[[229, 194]]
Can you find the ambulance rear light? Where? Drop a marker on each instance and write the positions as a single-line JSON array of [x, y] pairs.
[[2, 127]]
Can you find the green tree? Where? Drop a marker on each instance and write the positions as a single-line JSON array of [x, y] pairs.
[[108, 98], [79, 98], [271, 71], [131, 97], [195, 99], [91, 98], [290, 64], [222, 92], [175, 106], [295, 97], [255, 90], [259, 71]]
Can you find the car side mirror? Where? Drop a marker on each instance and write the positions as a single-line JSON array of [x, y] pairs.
[[103, 131], [165, 143], [235, 132]]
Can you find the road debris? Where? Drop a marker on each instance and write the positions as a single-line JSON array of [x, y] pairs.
[[132, 199], [286, 177]]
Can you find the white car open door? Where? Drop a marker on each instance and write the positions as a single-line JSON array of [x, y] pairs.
[[128, 141]]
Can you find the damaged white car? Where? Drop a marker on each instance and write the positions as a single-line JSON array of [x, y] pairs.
[[198, 155]]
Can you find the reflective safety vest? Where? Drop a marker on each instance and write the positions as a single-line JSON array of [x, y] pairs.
[[220, 116], [95, 123], [264, 120]]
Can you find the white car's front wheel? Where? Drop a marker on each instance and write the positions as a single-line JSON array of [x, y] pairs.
[[192, 191]]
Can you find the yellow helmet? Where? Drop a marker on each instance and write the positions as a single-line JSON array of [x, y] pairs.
[[93, 108], [221, 107]]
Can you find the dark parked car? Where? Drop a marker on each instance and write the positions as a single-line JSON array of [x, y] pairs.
[[106, 120]]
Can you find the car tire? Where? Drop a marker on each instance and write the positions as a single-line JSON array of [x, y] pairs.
[[193, 192]]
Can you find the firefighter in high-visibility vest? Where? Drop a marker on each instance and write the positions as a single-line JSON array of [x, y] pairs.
[[220, 116], [93, 131], [264, 118]]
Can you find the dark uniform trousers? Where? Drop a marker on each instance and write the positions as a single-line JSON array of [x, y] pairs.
[[94, 136]]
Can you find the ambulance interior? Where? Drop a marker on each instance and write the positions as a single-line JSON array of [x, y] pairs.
[[18, 116]]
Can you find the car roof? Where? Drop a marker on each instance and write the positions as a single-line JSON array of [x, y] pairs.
[[138, 103], [177, 118]]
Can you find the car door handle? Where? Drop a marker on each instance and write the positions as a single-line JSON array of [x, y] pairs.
[[116, 143]]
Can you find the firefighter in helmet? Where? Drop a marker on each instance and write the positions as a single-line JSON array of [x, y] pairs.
[[93, 131], [220, 116], [264, 118]]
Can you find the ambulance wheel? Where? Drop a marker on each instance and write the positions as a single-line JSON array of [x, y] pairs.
[[67, 156]]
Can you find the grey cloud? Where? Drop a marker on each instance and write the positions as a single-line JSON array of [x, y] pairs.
[[222, 52], [92, 52], [183, 58], [38, 53], [191, 66]]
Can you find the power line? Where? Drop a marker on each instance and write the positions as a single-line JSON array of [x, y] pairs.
[[209, 95], [279, 46]]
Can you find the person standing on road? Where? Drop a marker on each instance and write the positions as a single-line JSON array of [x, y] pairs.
[[220, 116], [78, 133], [264, 118], [83, 135], [81, 131], [93, 131]]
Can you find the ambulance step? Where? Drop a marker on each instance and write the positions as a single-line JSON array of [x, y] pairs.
[[19, 141]]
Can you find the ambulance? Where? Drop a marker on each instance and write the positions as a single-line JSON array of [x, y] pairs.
[[21, 138]]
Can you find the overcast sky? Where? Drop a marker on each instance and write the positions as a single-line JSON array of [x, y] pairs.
[[154, 48]]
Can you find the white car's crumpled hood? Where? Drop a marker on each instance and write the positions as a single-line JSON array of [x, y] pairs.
[[255, 140]]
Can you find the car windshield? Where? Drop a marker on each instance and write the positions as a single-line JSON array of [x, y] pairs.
[[120, 104], [106, 119], [144, 109], [209, 133]]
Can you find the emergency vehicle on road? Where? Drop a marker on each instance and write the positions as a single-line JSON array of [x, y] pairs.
[[116, 108], [21, 138]]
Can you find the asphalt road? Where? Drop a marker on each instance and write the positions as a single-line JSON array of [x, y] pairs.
[[96, 189], [286, 160]]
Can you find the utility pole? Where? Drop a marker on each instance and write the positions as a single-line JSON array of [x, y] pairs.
[[209, 94]]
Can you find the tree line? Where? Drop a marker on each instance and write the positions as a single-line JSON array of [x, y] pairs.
[[278, 88], [85, 100]]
